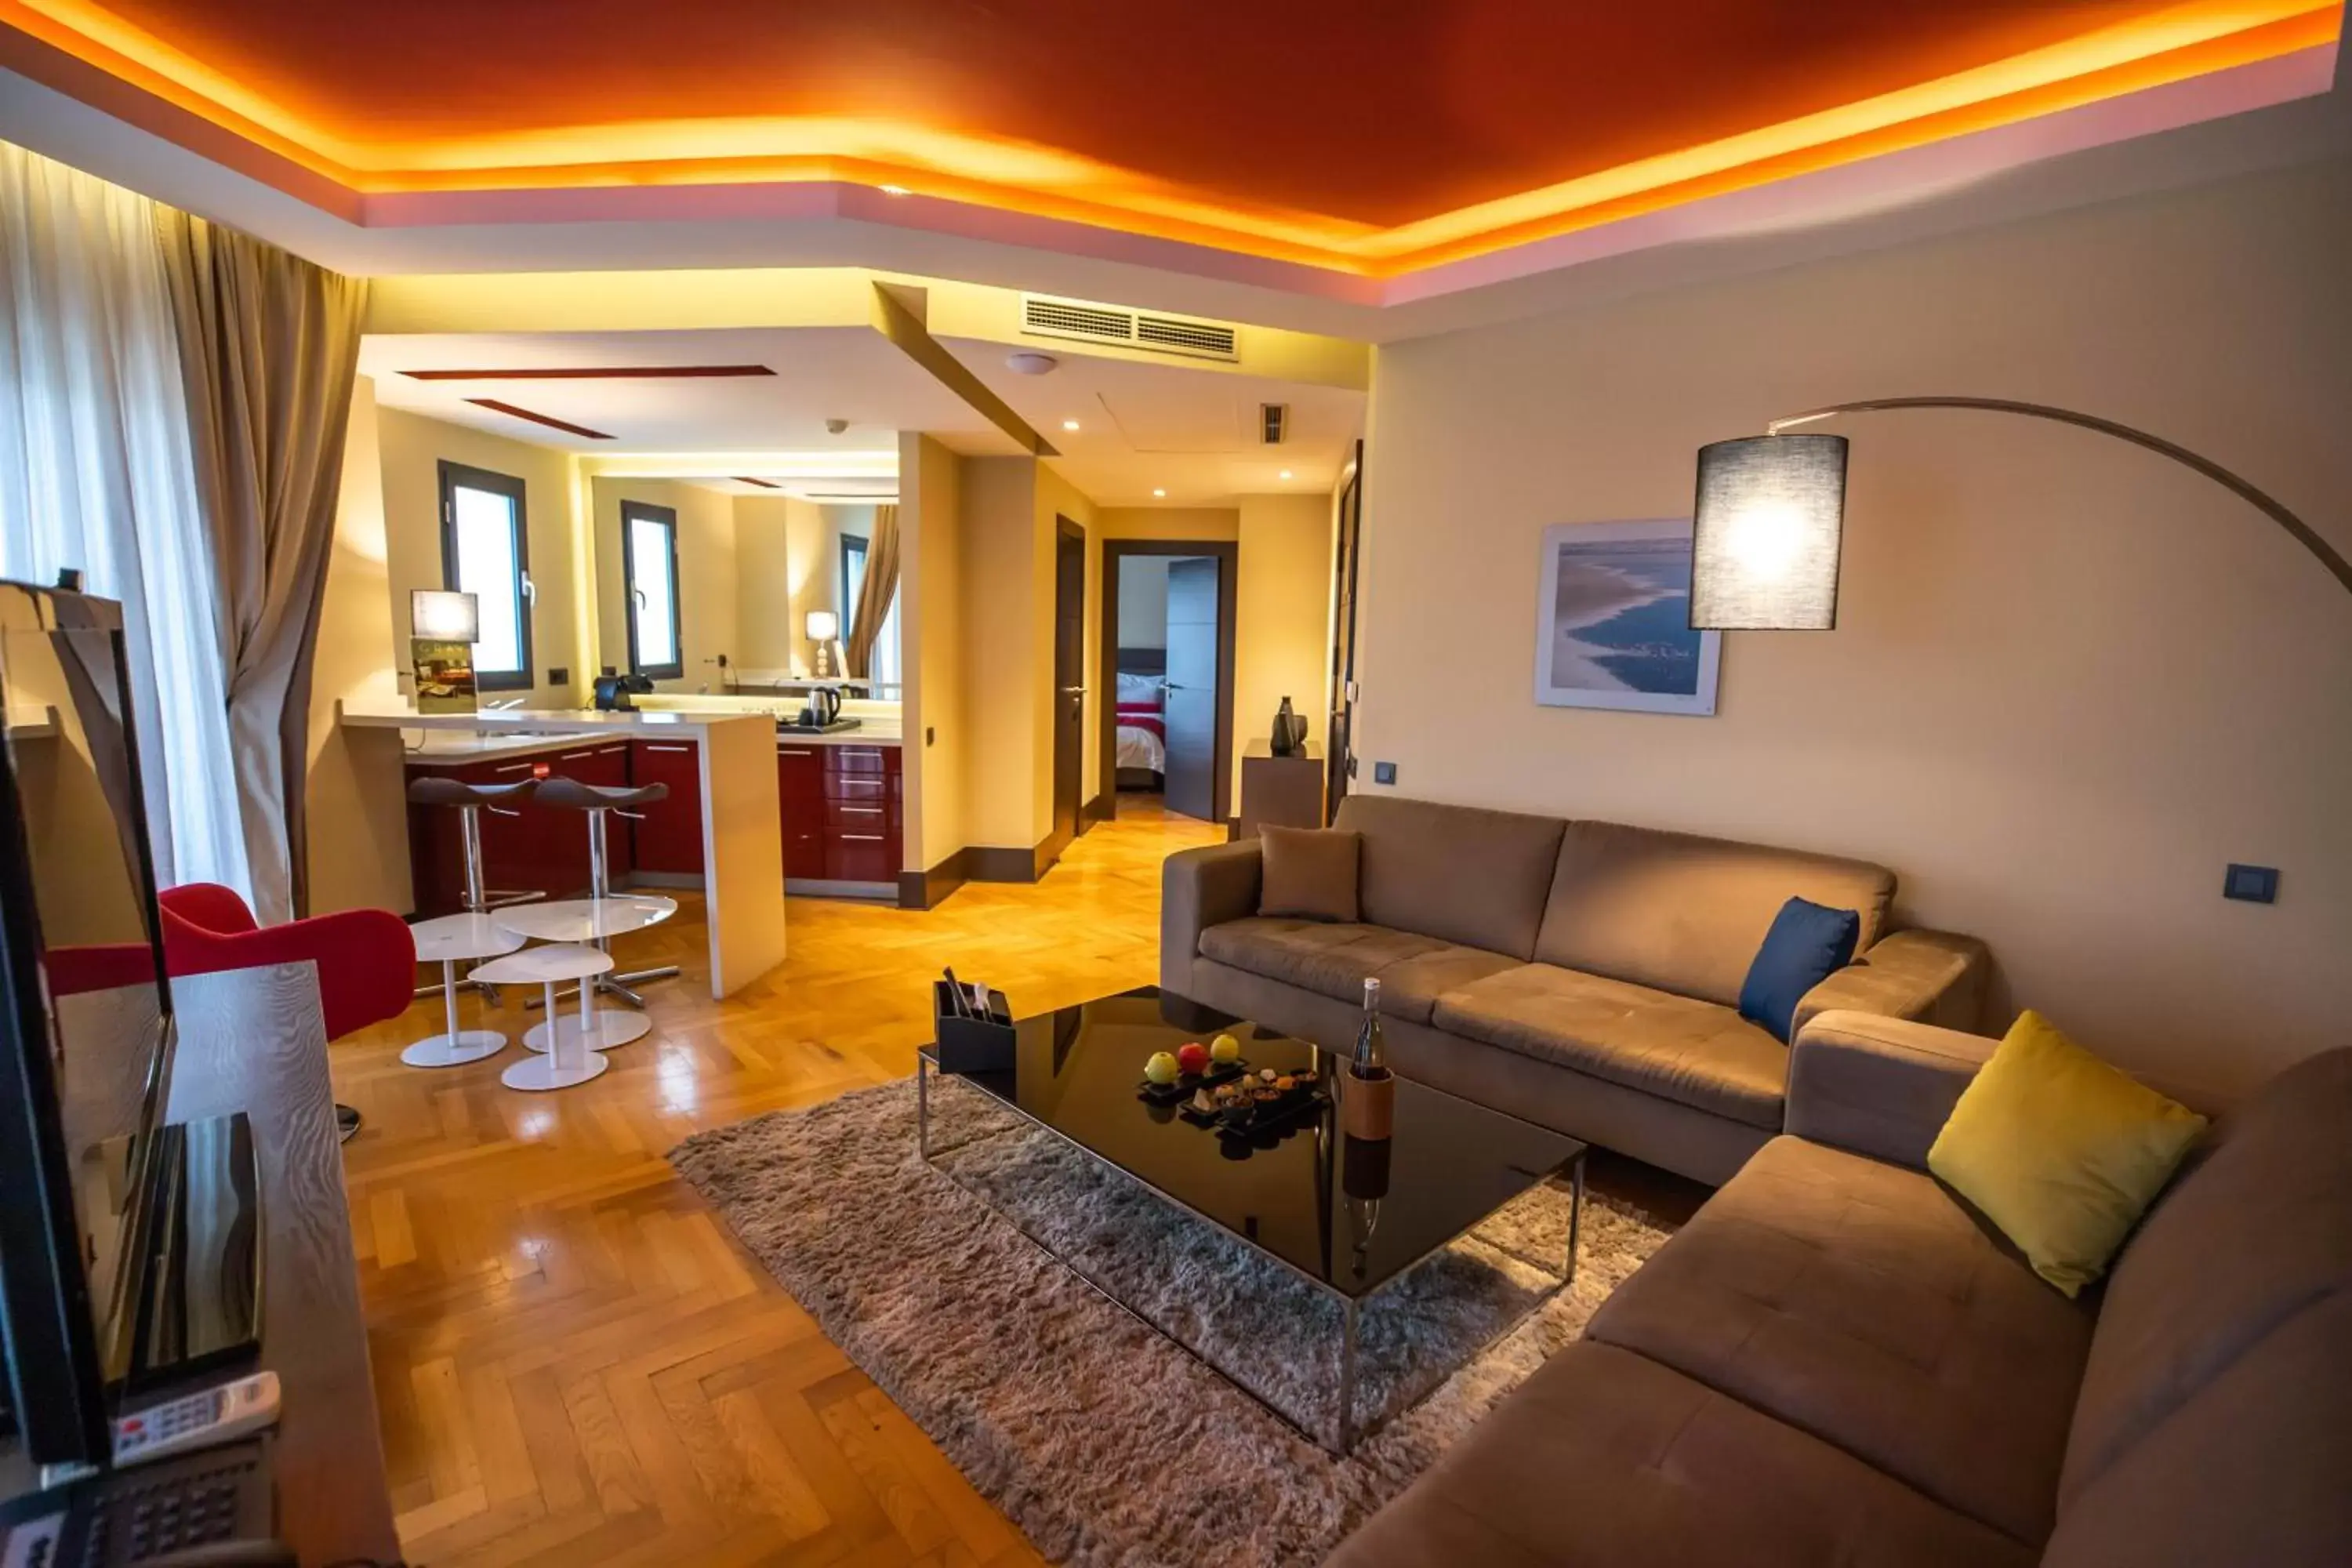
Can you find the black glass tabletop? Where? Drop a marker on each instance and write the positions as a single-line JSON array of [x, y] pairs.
[[1348, 1213]]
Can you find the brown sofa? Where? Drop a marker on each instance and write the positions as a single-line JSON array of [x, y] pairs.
[[1836, 1364], [1585, 975]]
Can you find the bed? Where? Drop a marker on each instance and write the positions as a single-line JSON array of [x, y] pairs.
[[1140, 732]]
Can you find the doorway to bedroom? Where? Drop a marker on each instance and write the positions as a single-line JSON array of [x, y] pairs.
[[1168, 650]]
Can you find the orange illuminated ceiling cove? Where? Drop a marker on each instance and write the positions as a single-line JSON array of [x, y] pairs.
[[1301, 132]]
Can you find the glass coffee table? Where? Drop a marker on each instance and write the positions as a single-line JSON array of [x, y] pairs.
[[1347, 1215]]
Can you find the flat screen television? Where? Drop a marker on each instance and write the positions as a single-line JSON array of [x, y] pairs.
[[86, 1026]]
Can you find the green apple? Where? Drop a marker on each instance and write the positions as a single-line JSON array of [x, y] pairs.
[[1161, 1068], [1224, 1049]]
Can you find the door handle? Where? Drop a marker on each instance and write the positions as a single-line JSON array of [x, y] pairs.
[[1074, 691]]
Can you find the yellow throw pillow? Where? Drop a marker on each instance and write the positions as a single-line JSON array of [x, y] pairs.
[[2061, 1151]]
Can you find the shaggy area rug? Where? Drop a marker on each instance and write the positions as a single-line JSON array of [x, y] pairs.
[[1106, 1444]]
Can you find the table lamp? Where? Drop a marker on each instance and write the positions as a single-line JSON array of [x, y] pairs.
[[444, 625], [822, 627]]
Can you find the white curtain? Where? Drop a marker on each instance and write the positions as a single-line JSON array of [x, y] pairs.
[[96, 472]]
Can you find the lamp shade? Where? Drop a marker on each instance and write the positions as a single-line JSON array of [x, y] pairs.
[[445, 615], [1766, 532], [822, 626]]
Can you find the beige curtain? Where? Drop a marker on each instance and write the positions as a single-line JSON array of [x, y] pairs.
[[875, 593], [269, 348]]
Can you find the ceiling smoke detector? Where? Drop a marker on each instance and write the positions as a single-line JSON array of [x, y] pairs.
[[1028, 362], [836, 426]]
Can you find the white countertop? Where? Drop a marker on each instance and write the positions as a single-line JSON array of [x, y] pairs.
[[525, 732]]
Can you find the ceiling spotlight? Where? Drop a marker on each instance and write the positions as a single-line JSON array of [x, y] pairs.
[[893, 190], [1286, 473], [1159, 495], [1069, 424], [1028, 362]]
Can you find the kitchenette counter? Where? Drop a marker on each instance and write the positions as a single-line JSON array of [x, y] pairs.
[[729, 782]]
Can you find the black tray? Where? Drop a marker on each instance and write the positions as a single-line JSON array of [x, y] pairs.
[[1263, 1117], [1189, 1084]]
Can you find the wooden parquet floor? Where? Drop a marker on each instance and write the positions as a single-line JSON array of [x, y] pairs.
[[575, 1363]]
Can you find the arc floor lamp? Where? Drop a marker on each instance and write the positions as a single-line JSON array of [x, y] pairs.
[[1770, 516]]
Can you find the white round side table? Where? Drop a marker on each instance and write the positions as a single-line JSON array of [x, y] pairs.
[[595, 921], [445, 942], [570, 1061]]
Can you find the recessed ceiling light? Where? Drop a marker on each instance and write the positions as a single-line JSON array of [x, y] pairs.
[[1286, 473], [1069, 424], [1159, 495], [1029, 362], [893, 190]]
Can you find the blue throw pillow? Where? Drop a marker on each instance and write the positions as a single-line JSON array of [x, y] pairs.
[[1807, 944]]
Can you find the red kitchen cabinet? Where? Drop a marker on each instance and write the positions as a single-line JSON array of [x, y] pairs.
[[668, 838], [799, 802]]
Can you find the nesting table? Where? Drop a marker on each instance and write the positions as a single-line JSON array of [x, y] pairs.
[[568, 1062], [584, 920]]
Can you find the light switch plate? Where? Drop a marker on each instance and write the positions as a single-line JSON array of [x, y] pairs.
[[1384, 773], [2251, 884]]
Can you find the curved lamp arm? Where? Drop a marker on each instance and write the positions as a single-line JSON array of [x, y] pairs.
[[2303, 532]]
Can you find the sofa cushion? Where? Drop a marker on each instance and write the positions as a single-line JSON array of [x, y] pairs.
[[1860, 1301], [2254, 1467], [1694, 1052], [1308, 873], [1686, 914], [1603, 1459], [1467, 876], [2244, 1241], [1807, 943], [1335, 960]]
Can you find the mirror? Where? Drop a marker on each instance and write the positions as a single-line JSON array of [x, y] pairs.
[[706, 590]]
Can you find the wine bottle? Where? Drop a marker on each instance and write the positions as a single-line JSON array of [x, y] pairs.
[[1372, 1059]]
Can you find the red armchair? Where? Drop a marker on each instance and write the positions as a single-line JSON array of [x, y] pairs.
[[366, 958]]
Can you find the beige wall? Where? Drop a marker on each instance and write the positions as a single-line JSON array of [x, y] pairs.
[[707, 573], [931, 628], [999, 609], [411, 450], [2071, 681], [769, 539], [357, 812], [1282, 632]]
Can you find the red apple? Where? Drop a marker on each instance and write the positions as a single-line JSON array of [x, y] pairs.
[[1194, 1058]]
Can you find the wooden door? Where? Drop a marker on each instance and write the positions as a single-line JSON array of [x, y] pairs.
[[1339, 757], [1192, 681], [1069, 681]]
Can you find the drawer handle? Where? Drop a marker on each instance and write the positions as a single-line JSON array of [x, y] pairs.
[[795, 752], [651, 747], [860, 751], [864, 810], [863, 838], [513, 768], [575, 756]]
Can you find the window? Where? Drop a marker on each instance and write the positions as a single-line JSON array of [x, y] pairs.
[[651, 558], [486, 551]]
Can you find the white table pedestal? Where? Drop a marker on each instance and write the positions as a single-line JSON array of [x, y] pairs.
[[596, 921]]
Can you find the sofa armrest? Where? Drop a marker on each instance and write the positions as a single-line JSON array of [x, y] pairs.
[[1878, 1086], [1199, 889], [1926, 977]]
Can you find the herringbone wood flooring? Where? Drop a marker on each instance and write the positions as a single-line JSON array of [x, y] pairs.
[[574, 1363]]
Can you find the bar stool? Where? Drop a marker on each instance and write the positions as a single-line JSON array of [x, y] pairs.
[[471, 800], [570, 1062], [598, 800], [445, 940]]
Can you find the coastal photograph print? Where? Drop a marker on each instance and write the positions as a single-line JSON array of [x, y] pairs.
[[1613, 625]]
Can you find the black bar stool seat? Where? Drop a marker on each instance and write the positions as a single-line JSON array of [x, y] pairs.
[[458, 793], [470, 801], [573, 794]]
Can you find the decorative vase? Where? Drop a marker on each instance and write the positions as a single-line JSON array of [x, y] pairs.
[[1289, 730]]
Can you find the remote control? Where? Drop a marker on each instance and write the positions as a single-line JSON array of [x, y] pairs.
[[197, 1420]]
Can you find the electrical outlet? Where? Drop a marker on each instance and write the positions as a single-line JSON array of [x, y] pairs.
[[2251, 884], [1384, 773], [559, 676], [931, 734]]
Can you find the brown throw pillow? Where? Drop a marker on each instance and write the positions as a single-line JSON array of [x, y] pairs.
[[1309, 873]]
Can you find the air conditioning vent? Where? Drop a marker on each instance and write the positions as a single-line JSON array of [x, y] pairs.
[[1273, 424], [1046, 318]]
